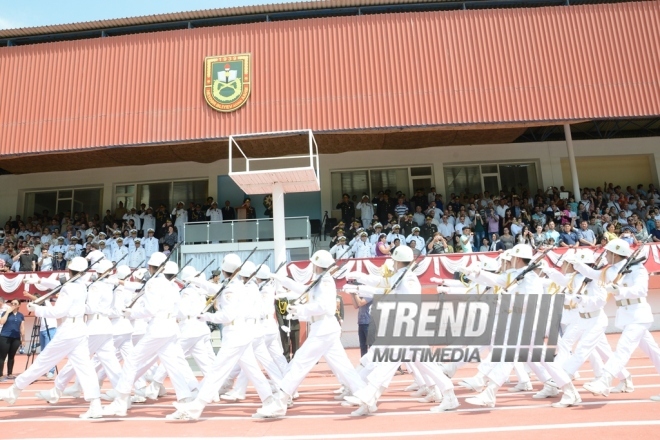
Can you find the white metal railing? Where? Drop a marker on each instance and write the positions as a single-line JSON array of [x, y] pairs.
[[242, 230]]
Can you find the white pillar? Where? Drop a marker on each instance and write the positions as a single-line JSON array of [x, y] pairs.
[[571, 161], [279, 233]]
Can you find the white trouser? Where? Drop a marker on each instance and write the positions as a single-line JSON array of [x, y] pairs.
[[633, 335], [77, 351], [329, 346], [266, 361], [592, 339], [170, 354], [227, 358], [273, 344], [104, 350], [200, 348]]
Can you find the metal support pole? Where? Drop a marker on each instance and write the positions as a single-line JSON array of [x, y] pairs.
[[571, 161], [279, 232]]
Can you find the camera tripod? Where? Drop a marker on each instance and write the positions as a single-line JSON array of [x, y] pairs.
[[34, 341]]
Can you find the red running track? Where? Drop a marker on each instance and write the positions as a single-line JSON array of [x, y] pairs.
[[316, 415]]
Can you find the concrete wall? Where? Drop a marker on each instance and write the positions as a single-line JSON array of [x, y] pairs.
[[547, 156]]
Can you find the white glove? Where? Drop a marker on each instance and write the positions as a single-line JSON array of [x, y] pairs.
[[277, 276], [443, 290], [350, 288], [355, 276], [126, 313], [438, 281], [612, 288], [569, 297], [202, 317], [577, 298], [293, 310], [32, 306]]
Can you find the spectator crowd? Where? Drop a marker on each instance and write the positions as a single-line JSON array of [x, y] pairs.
[[492, 222], [45, 242]]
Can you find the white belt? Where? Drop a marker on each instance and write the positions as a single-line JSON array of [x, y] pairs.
[[319, 318], [72, 320], [629, 302], [94, 316], [165, 316], [589, 315], [243, 321]]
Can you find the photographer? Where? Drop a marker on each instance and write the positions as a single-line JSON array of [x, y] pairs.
[[26, 259], [437, 245], [466, 240], [479, 226]]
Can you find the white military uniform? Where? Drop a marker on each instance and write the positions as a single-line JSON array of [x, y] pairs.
[[181, 216], [340, 250], [214, 214], [70, 341], [148, 222], [119, 253], [393, 236], [366, 212], [420, 244], [159, 305], [195, 335], [261, 353], [633, 314], [382, 373], [99, 330], [323, 339], [237, 333], [362, 249], [150, 245], [136, 257]]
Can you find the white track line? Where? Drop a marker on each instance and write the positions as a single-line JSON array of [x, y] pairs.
[[320, 416]]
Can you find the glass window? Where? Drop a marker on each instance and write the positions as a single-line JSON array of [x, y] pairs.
[[394, 180], [463, 179], [489, 169], [192, 191], [421, 171], [86, 200], [155, 194]]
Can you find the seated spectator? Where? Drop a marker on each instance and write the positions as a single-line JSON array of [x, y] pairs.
[[382, 248], [45, 261], [656, 232], [610, 233], [485, 245]]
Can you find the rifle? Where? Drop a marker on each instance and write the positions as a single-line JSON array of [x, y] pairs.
[[276, 270], [198, 273], [412, 266], [131, 274], [530, 267], [107, 272], [159, 270], [41, 300], [631, 261], [225, 283], [256, 270], [301, 299]]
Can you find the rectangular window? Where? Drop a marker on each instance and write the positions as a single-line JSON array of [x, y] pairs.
[[63, 201], [370, 182], [475, 179], [155, 194]]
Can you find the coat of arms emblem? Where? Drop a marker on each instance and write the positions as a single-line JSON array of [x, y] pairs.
[[227, 81]]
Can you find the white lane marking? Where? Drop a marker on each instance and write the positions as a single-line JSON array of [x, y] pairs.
[[457, 431], [311, 416]]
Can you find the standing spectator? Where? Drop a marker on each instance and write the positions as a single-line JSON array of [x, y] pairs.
[[59, 263], [228, 212], [347, 209], [180, 214], [11, 336], [120, 212], [45, 261], [466, 240], [437, 245], [27, 260], [171, 238], [364, 318], [250, 212], [366, 210], [148, 221], [214, 214]]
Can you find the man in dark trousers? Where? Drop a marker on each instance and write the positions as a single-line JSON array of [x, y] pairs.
[[290, 341], [228, 212]]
